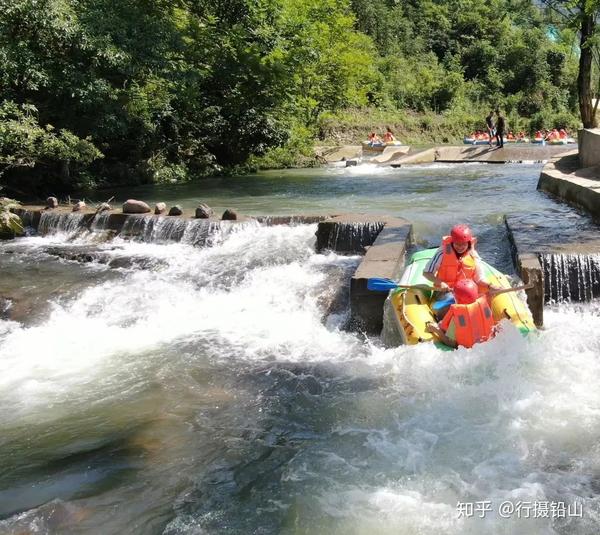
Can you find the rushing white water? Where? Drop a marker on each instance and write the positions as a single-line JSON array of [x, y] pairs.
[[256, 290], [209, 392]]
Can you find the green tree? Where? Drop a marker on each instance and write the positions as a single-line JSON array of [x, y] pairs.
[[582, 15]]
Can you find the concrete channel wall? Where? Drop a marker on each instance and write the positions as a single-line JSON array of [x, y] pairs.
[[575, 176], [527, 264], [513, 153], [384, 240], [589, 147]]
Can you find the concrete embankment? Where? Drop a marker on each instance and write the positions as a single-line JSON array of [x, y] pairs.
[[570, 260], [575, 177]]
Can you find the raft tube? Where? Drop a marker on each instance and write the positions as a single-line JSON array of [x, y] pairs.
[[408, 311], [379, 147]]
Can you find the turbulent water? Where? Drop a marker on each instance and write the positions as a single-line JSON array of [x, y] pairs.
[[177, 389]]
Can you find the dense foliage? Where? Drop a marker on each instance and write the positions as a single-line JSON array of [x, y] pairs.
[[129, 91], [10, 223]]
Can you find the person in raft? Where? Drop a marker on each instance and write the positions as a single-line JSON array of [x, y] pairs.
[[374, 139], [468, 321], [456, 259], [388, 137]]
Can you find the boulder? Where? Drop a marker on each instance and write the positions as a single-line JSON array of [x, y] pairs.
[[203, 211], [160, 208], [131, 206], [51, 202], [230, 215], [78, 206], [176, 210]]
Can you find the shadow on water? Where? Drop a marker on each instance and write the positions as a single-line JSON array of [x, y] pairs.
[[250, 489], [86, 472]]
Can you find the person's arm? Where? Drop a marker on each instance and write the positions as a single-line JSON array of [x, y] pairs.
[[437, 283], [435, 329], [479, 276], [432, 268]]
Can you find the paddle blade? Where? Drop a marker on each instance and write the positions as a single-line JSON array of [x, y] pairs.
[[381, 285], [447, 300]]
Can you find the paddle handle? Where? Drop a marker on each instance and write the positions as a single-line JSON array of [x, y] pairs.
[[385, 285], [494, 293]]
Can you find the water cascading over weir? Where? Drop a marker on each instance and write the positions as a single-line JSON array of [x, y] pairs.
[[571, 276], [562, 252], [382, 240]]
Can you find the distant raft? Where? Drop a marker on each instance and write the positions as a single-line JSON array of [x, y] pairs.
[[368, 146], [473, 141], [564, 141], [408, 311]]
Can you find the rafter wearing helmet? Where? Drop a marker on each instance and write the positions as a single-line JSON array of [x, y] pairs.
[[455, 260], [468, 321]]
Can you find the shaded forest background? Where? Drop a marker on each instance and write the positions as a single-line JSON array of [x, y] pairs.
[[100, 92]]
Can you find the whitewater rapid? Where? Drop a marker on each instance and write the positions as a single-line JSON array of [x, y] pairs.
[[212, 390]]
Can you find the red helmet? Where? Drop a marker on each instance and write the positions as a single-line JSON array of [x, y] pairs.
[[461, 233], [465, 291]]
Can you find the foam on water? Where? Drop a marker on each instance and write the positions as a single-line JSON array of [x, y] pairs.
[[257, 291], [513, 419]]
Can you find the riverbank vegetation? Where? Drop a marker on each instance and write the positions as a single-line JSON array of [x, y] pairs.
[[99, 92]]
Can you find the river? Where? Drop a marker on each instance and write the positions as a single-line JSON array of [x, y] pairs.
[[189, 390]]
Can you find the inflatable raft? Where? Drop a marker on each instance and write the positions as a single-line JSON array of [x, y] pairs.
[[408, 311], [367, 146], [473, 141], [565, 141]]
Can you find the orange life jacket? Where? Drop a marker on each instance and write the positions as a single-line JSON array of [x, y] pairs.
[[452, 269], [473, 323]]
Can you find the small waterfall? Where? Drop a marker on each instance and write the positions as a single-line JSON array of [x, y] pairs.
[[105, 225], [138, 226], [197, 232], [100, 222], [571, 277], [55, 222], [169, 229], [202, 232], [347, 237]]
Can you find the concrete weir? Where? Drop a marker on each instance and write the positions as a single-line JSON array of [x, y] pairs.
[[385, 240], [510, 153], [382, 239], [138, 225], [561, 257]]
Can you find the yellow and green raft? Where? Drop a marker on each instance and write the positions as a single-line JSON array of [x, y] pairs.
[[408, 311]]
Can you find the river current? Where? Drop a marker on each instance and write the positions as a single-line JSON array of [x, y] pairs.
[[189, 390]]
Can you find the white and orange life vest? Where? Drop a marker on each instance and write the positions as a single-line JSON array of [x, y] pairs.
[[473, 323], [452, 269]]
